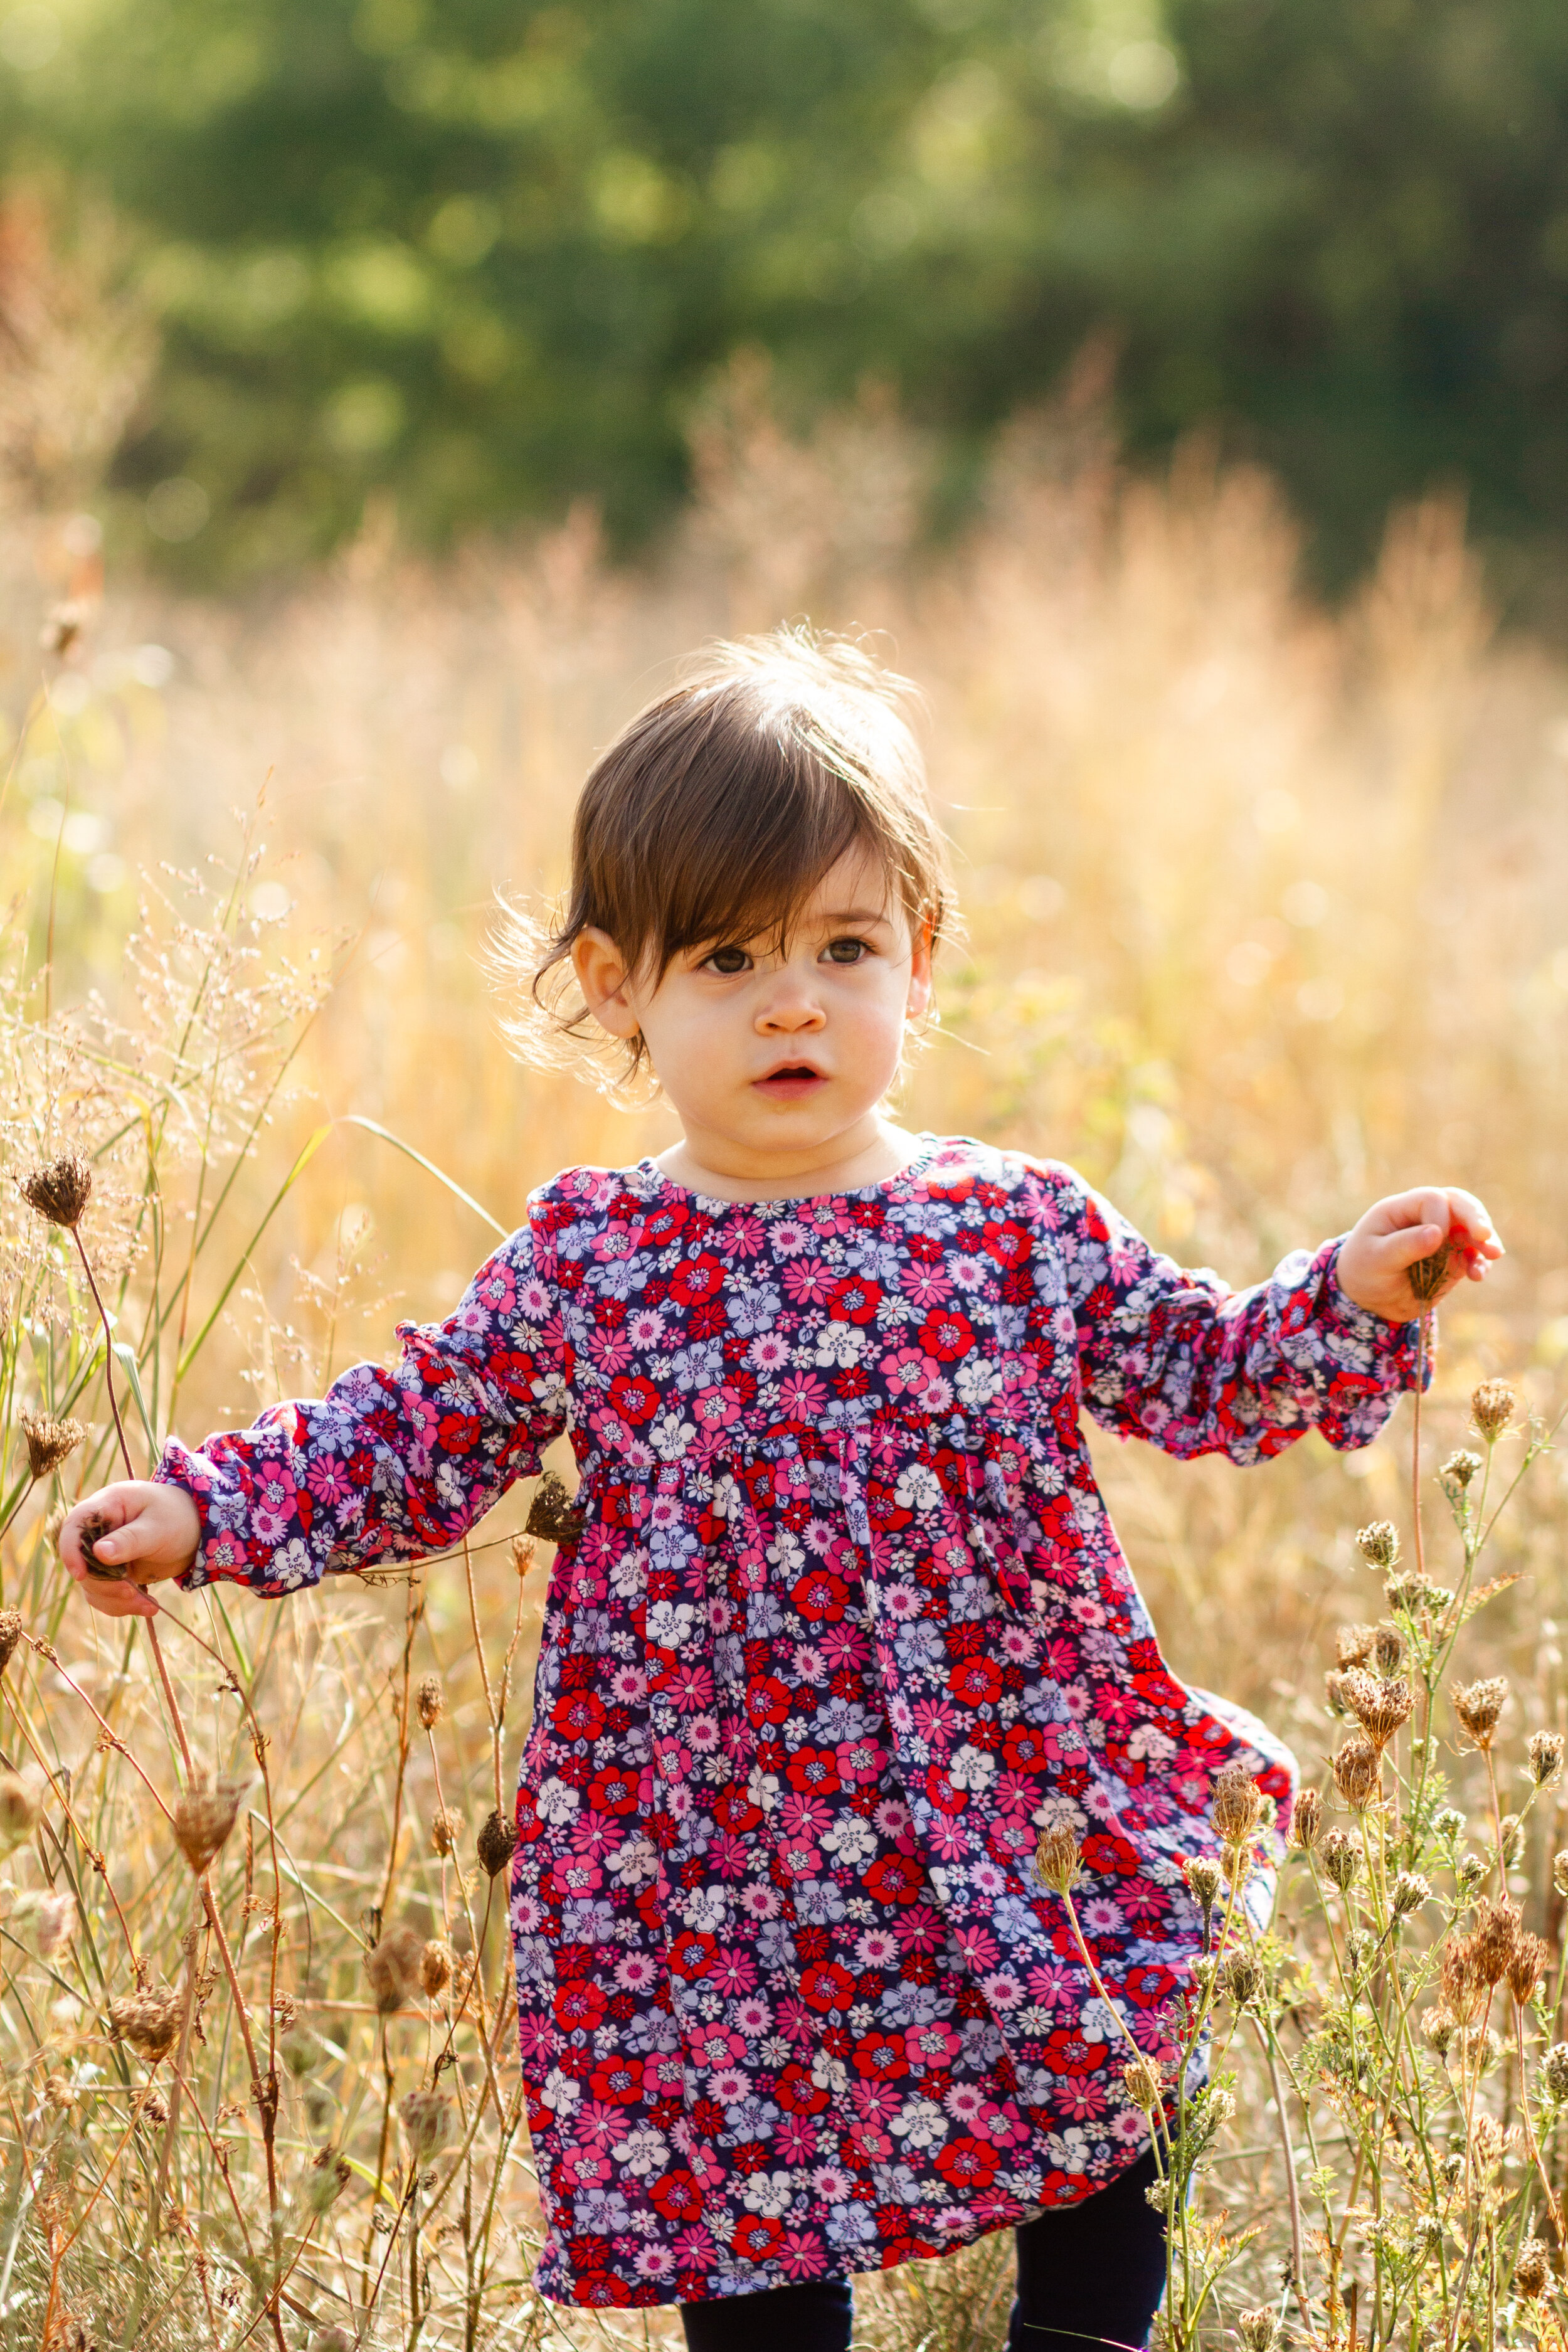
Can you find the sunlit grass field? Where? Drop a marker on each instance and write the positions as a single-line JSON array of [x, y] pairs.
[[1265, 915]]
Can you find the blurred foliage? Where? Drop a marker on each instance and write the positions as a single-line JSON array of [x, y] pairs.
[[487, 256]]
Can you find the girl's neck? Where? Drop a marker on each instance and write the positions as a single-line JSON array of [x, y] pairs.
[[840, 1166]]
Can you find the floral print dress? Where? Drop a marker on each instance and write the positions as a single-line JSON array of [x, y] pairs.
[[846, 1627]]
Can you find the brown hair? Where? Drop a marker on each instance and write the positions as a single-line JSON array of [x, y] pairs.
[[717, 812]]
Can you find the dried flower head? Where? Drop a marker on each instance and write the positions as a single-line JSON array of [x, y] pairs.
[[1342, 1859], [447, 1826], [1259, 2330], [551, 1514], [1526, 1966], [1140, 2081], [1382, 1708], [1554, 2070], [1058, 1860], [1204, 1879], [10, 1635], [1493, 1939], [1450, 1824], [89, 1534], [49, 1443], [149, 2022], [1428, 1274], [1458, 1471], [19, 1808], [1488, 2143], [1358, 1771], [1440, 2026], [1511, 1839], [61, 1190], [1492, 1407], [430, 1700], [496, 1843], [1560, 1872], [1470, 1870], [1241, 1979], [329, 2176], [525, 1552], [393, 1966], [1388, 1651], [1546, 1758], [58, 2092], [1307, 1820], [427, 2118], [205, 1816], [1379, 1543], [1353, 1644], [1334, 1697], [435, 1968], [1479, 1704], [1238, 1802], [1533, 2269], [1408, 1892]]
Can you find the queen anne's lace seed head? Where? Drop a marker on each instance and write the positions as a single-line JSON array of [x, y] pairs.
[[1492, 1407], [205, 1816], [49, 1443], [430, 1701], [1238, 1802], [1546, 1758], [1379, 1543], [1058, 1860], [1479, 1704], [1428, 1274], [149, 2022], [427, 2118], [60, 1190], [496, 1843], [1307, 1820], [1533, 2269]]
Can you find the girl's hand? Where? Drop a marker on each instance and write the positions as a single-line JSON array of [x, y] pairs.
[[1395, 1233], [148, 1533]]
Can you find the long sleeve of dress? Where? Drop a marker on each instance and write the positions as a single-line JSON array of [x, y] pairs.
[[392, 1462], [1181, 1359]]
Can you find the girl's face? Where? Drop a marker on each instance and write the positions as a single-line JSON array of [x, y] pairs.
[[776, 1060]]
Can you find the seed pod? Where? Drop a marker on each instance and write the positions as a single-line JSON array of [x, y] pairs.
[[1307, 1820], [58, 2094], [1440, 2026], [1238, 1801], [1358, 1772], [447, 1826], [523, 1554], [1492, 1408], [1378, 1544], [1459, 1470], [552, 1513], [392, 1967], [1510, 1840], [1388, 1651], [427, 2118], [1241, 1979], [10, 1635], [205, 1816], [1479, 1704], [89, 1535], [19, 1810], [1488, 2143], [1259, 2330], [1203, 1875], [1554, 2070], [496, 1843], [49, 1441], [1334, 1692], [1426, 1275], [1379, 1708], [1526, 1966], [1493, 1940], [1057, 1859], [1546, 1758], [1533, 2269], [431, 1701], [1342, 1859], [329, 2176], [149, 2022], [1470, 1870], [1140, 2081], [435, 1968], [61, 1190], [1353, 1644], [1560, 1872], [1408, 1892]]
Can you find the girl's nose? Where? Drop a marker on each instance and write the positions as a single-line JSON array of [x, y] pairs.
[[790, 1006]]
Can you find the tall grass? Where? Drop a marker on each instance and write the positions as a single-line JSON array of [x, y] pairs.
[[1265, 914]]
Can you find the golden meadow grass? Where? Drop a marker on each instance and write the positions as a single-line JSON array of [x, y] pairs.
[[1263, 918]]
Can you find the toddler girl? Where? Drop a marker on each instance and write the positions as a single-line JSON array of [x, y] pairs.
[[845, 1625]]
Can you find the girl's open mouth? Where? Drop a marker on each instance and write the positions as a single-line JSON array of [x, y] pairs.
[[793, 1080]]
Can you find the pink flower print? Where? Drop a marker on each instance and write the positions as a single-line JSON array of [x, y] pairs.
[[715, 1409], [636, 1972], [794, 2139], [931, 2049], [702, 1734], [610, 1351], [861, 1763], [328, 1479], [734, 1971], [754, 2018], [538, 2038], [978, 1947], [802, 1397], [1003, 1991], [769, 1354], [925, 1285], [810, 1283], [802, 2254], [906, 1371], [790, 1237], [745, 1237], [877, 1948], [966, 2105], [272, 1511]]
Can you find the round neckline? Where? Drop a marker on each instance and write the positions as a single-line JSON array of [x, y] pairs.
[[929, 1144]]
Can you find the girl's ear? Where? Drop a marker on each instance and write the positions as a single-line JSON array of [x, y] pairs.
[[602, 976], [919, 1000]]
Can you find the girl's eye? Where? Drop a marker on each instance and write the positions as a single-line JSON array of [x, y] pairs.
[[847, 950], [728, 961]]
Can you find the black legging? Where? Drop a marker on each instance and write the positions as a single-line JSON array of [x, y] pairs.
[[1089, 2275]]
